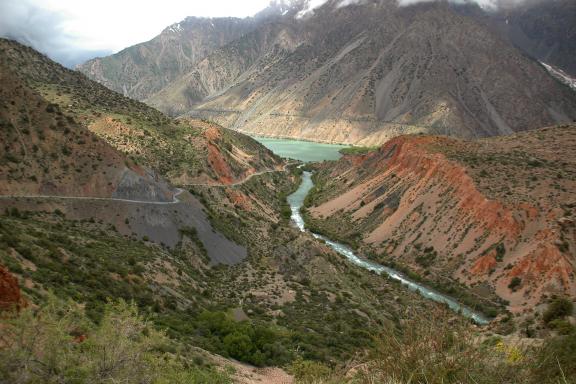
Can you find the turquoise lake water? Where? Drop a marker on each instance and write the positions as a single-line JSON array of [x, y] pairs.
[[306, 151]]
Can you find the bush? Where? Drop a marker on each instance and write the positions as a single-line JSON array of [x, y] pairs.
[[515, 283], [245, 341], [59, 344], [563, 327], [438, 350], [307, 371], [559, 308], [556, 361]]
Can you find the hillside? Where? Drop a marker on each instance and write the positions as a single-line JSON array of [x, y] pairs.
[[493, 214], [184, 152], [46, 152], [144, 69], [370, 71], [543, 29]]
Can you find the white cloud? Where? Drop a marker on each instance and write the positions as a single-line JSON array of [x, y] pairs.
[[486, 4], [311, 5], [66, 28]]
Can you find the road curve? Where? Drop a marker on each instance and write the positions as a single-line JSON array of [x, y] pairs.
[[175, 199], [246, 179]]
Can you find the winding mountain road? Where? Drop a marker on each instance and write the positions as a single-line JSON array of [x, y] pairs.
[[245, 180], [175, 199]]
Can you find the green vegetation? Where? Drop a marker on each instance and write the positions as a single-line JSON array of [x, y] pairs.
[[256, 344], [427, 258], [558, 309], [515, 283], [448, 287], [59, 343], [192, 234], [437, 350], [358, 150], [307, 371]]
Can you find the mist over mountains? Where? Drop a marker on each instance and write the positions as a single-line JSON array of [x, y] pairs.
[[41, 28]]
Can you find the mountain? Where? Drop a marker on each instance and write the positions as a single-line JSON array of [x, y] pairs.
[[495, 215], [369, 71], [46, 152], [144, 69], [543, 29], [184, 152], [116, 281]]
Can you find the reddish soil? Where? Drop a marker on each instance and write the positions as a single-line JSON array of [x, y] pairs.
[[416, 190], [10, 297]]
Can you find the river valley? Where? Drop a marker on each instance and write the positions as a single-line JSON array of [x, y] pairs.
[[308, 151]]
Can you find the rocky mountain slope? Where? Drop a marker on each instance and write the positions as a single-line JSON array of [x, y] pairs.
[[52, 161], [543, 29], [495, 215], [46, 152], [144, 69], [184, 152], [369, 71]]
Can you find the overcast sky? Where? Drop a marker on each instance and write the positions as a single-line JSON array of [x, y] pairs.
[[71, 31]]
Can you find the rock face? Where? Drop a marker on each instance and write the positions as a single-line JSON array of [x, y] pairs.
[[480, 212], [543, 29], [370, 71], [10, 297]]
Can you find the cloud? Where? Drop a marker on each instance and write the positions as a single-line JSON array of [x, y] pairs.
[[308, 6], [485, 4], [30, 24]]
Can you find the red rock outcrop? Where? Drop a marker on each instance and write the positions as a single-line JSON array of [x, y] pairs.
[[10, 297], [410, 193]]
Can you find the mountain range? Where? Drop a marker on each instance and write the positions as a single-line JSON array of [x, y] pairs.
[[105, 197], [360, 73]]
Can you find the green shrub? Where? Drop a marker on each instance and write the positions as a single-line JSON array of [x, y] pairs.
[[563, 327], [59, 344], [253, 343], [500, 252], [435, 349], [559, 308], [307, 371], [556, 361], [515, 283]]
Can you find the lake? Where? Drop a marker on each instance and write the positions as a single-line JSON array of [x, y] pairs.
[[306, 151]]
